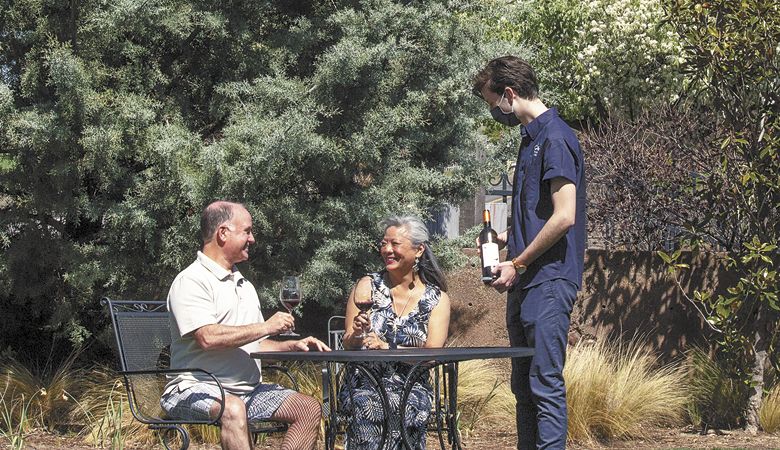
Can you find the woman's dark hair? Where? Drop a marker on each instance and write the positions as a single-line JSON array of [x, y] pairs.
[[504, 72], [428, 268]]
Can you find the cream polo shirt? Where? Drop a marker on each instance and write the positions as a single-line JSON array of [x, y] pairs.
[[203, 294]]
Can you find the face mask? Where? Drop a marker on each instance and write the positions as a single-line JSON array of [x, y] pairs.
[[509, 119]]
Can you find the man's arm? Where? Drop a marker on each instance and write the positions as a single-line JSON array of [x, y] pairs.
[[564, 200], [218, 336]]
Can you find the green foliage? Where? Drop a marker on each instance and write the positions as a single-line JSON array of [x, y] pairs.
[[731, 53], [596, 56], [119, 122], [717, 395]]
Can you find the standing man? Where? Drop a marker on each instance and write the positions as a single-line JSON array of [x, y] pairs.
[[216, 323], [546, 247]]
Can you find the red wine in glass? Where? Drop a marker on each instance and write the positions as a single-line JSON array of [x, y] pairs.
[[364, 302], [290, 297], [290, 300]]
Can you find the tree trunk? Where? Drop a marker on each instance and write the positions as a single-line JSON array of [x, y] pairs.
[[760, 355]]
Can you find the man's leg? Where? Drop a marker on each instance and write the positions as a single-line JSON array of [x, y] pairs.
[[545, 314], [525, 409], [235, 431], [202, 402], [303, 413]]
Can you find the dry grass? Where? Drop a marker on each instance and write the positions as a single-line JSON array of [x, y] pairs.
[[769, 416], [483, 396], [103, 408], [46, 394], [614, 391]]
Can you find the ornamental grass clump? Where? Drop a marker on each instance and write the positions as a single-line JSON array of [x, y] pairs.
[[38, 397], [484, 395], [105, 412], [617, 390], [769, 416]]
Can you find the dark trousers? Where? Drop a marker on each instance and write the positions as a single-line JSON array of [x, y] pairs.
[[539, 317]]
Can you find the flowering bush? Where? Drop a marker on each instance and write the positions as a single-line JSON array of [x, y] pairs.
[[596, 56]]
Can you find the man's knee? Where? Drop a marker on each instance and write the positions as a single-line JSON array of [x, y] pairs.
[[234, 412]]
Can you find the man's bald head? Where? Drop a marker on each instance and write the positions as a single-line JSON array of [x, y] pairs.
[[215, 215]]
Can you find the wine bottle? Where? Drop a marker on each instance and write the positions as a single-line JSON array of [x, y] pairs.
[[488, 243]]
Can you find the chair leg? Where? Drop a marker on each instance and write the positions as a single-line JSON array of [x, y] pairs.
[[166, 435]]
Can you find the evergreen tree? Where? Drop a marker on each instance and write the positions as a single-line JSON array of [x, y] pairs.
[[120, 121]]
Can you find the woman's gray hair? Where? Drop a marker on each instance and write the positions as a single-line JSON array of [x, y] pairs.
[[417, 231], [428, 267]]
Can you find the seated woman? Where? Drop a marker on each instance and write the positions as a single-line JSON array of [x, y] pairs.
[[410, 308]]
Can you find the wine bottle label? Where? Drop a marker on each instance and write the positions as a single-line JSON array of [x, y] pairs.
[[490, 255]]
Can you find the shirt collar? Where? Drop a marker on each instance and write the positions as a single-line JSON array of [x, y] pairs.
[[220, 272], [537, 124]]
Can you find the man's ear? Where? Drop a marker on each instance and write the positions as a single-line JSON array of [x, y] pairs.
[[510, 95], [221, 235]]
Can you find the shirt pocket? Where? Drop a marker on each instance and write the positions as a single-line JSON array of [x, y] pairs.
[[529, 195]]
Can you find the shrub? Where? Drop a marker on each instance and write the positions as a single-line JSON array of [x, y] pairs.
[[717, 397], [595, 56]]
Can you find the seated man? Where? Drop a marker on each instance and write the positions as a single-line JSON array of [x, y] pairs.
[[216, 323]]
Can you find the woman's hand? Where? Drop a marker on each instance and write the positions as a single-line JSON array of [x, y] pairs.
[[374, 342], [360, 323]]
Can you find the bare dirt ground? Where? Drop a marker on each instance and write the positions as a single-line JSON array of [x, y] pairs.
[[666, 439]]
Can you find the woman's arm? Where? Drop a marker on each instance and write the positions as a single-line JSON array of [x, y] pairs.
[[355, 321], [439, 323]]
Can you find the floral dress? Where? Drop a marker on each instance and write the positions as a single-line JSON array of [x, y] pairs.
[[359, 399]]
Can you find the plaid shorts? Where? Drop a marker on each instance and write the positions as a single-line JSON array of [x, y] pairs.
[[195, 402]]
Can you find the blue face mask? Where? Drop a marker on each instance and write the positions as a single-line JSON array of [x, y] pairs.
[[506, 118]]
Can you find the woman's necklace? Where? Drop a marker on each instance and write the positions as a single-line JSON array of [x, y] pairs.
[[399, 315]]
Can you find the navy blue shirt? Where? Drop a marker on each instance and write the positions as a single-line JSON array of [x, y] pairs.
[[549, 150]]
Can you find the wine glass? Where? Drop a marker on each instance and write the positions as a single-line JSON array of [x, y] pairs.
[[290, 296], [364, 302]]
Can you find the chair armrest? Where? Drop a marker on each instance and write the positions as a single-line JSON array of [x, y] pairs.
[[147, 420], [286, 372]]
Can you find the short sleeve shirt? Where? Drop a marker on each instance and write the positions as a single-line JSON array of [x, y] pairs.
[[549, 149], [206, 293]]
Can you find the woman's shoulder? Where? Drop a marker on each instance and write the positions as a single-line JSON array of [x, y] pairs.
[[431, 297]]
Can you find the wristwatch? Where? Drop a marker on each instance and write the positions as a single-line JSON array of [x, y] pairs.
[[519, 268]]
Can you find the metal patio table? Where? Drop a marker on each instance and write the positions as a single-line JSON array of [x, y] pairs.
[[421, 359]]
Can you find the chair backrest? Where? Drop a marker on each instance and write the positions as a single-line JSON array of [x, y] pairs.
[[143, 334], [336, 332]]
